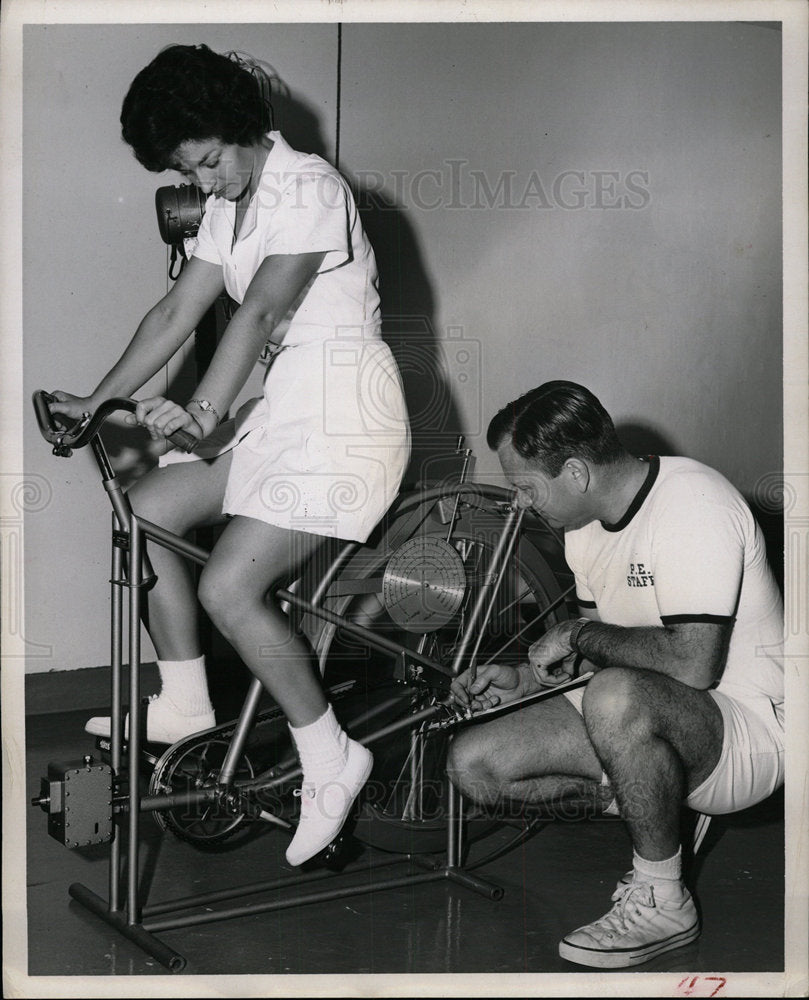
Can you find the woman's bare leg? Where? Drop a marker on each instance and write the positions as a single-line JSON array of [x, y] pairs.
[[179, 497], [249, 558]]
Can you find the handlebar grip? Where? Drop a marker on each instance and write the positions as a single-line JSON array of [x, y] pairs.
[[45, 419], [77, 434], [182, 439]]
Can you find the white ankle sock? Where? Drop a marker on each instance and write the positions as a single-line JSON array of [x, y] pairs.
[[668, 870], [322, 746], [185, 685]]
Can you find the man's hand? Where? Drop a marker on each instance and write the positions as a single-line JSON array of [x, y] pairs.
[[551, 657], [494, 684]]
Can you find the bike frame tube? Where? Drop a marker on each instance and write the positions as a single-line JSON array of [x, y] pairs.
[[467, 458], [140, 529], [382, 644], [174, 542], [135, 583], [415, 497], [135, 574], [116, 667], [118, 499], [337, 564], [488, 592], [199, 555], [239, 738], [508, 541]]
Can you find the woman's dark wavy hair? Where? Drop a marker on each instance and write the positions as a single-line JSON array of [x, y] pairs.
[[186, 94], [555, 422]]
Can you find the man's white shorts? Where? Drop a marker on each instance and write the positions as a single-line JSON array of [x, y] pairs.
[[751, 765]]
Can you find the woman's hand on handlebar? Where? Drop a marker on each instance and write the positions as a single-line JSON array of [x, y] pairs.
[[161, 417], [70, 406], [494, 684]]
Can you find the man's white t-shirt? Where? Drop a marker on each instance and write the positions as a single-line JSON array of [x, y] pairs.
[[688, 550]]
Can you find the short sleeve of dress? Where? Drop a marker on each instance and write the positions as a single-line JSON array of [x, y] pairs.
[[698, 556], [312, 215], [205, 247]]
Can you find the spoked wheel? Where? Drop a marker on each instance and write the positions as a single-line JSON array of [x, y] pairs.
[[191, 766], [417, 587], [404, 808]]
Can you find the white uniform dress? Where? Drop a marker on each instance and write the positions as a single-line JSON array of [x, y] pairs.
[[325, 448], [689, 550]]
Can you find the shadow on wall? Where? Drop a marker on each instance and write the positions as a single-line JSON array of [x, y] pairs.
[[642, 439], [408, 303], [408, 327]]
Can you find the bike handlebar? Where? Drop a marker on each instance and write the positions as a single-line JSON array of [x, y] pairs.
[[76, 434]]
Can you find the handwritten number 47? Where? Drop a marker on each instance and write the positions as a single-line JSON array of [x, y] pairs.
[[695, 985]]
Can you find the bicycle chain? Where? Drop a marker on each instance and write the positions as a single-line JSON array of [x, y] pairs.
[[224, 732], [165, 764]]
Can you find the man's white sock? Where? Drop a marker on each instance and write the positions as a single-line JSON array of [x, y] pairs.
[[668, 870]]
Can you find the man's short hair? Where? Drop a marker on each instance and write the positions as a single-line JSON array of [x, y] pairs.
[[555, 422]]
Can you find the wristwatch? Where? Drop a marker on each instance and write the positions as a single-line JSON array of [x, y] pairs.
[[207, 405], [575, 632]]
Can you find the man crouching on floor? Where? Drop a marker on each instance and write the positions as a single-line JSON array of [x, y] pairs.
[[682, 622]]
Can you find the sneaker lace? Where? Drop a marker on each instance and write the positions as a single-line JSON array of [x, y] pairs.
[[306, 793], [629, 900]]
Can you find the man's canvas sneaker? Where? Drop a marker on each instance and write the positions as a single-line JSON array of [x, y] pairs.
[[164, 724], [647, 920], [325, 807]]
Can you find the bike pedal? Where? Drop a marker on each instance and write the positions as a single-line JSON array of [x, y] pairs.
[[148, 756], [341, 852], [336, 855]]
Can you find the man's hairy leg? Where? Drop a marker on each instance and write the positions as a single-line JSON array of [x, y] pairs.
[[538, 755], [657, 739]]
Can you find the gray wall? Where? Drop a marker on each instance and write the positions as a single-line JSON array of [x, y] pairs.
[[671, 311], [93, 264], [598, 202]]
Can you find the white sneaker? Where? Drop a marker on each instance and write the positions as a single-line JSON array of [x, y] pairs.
[[164, 724], [626, 879], [325, 807], [646, 921]]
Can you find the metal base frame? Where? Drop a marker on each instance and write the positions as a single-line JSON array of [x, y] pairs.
[[138, 923], [185, 911]]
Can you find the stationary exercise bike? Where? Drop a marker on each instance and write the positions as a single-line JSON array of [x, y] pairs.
[[456, 576]]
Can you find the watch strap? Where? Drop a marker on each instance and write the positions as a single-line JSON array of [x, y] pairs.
[[207, 406], [575, 632]]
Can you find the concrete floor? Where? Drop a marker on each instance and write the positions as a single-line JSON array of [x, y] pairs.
[[559, 878]]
